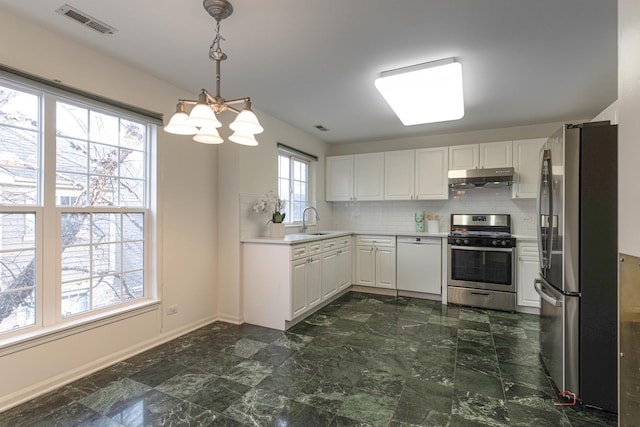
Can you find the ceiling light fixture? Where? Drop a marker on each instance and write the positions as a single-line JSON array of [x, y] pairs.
[[202, 121], [424, 93]]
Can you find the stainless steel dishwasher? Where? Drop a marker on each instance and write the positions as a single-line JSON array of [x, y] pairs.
[[419, 264]]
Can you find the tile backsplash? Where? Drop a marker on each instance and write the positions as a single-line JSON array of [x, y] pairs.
[[398, 216]]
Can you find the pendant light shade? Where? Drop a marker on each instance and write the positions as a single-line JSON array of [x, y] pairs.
[[178, 123], [203, 116], [246, 122], [243, 139], [208, 135]]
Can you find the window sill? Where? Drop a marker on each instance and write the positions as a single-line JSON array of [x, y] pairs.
[[44, 335]]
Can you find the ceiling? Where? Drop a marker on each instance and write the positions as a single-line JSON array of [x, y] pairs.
[[313, 62]]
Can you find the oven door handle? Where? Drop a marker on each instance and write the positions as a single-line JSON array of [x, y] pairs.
[[537, 285], [482, 248]]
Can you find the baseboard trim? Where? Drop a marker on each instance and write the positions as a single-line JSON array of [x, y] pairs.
[[43, 387]]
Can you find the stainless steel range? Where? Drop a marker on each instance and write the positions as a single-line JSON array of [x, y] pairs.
[[482, 261]]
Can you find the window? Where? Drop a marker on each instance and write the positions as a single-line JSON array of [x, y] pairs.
[[295, 173], [74, 217]]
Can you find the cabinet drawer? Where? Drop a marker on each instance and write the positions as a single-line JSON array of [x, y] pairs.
[[376, 241], [314, 248], [329, 244], [299, 251], [344, 242], [528, 250]]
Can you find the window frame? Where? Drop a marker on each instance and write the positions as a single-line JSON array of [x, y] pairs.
[[311, 162], [49, 320]]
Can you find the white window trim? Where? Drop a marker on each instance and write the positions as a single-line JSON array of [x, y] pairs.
[[312, 162], [50, 324]]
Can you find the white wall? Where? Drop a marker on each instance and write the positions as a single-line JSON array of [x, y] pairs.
[[187, 219], [246, 174], [629, 126], [503, 134]]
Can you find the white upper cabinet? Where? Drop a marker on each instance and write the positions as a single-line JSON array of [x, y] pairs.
[[496, 154], [463, 157], [368, 177], [431, 180], [339, 180], [526, 155], [416, 174], [399, 175], [355, 177], [476, 156]]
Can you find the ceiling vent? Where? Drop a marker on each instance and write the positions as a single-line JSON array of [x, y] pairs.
[[86, 20]]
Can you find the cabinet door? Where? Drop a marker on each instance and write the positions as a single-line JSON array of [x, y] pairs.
[[527, 271], [399, 175], [365, 266], [344, 268], [298, 287], [339, 178], [463, 157], [496, 154], [385, 267], [368, 176], [526, 155], [314, 281], [329, 274], [431, 167]]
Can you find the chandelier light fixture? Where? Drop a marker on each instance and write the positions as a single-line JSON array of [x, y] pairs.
[[202, 121]]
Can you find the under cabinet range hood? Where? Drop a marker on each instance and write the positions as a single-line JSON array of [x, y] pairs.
[[476, 178]]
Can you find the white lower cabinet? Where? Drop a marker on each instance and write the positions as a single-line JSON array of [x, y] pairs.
[[528, 268], [281, 283], [376, 261]]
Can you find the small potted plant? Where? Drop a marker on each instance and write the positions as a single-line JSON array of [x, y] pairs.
[[275, 206]]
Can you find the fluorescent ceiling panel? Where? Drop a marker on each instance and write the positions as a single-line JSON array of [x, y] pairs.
[[424, 93]]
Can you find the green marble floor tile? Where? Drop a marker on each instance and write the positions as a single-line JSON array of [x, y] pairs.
[[471, 409], [150, 410], [371, 408], [218, 364], [300, 414], [185, 384], [433, 369], [484, 364], [244, 347], [284, 385], [158, 373], [469, 380], [187, 414], [340, 421], [443, 320], [518, 356], [293, 341], [510, 331], [218, 394], [474, 316], [249, 372], [581, 416], [529, 376], [258, 333], [379, 381], [256, 408], [73, 414], [526, 416], [470, 324], [474, 335], [115, 395], [297, 367], [422, 401], [273, 355], [542, 399]]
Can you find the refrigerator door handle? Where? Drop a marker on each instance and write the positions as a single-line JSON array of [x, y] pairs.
[[537, 285]]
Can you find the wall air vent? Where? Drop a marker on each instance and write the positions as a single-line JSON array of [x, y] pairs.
[[85, 19]]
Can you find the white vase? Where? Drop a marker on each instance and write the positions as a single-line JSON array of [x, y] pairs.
[[276, 230]]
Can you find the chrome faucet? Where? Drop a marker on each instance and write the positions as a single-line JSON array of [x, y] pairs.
[[304, 225]]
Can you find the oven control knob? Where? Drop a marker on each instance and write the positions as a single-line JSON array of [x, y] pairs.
[[494, 243], [504, 243], [466, 241], [458, 241]]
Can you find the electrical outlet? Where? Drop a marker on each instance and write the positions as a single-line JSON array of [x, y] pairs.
[[172, 309]]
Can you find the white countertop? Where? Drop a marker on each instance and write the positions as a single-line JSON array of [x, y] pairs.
[[295, 238], [292, 239]]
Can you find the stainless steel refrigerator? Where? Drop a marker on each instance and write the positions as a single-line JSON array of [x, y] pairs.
[[577, 238]]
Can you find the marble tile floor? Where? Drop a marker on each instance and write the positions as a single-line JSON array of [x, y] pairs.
[[364, 360]]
